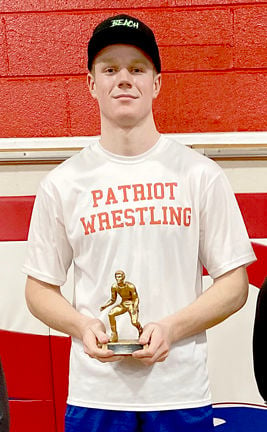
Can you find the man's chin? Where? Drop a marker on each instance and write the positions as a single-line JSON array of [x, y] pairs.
[[128, 120], [125, 118]]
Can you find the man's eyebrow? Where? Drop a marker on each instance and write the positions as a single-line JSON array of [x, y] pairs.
[[105, 59], [140, 61]]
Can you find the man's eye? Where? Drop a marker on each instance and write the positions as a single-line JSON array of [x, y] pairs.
[[137, 70], [110, 70]]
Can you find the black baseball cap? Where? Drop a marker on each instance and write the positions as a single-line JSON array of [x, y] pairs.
[[124, 29]]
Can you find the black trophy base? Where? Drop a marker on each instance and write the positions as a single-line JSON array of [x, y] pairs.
[[123, 347]]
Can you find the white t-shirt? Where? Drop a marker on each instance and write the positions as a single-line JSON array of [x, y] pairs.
[[159, 216]]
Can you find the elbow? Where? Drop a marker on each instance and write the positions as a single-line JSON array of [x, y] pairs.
[[234, 288], [241, 292], [242, 298], [29, 297]]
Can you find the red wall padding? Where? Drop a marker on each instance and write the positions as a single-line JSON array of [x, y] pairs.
[[16, 213], [27, 365], [15, 217], [254, 211], [60, 348], [257, 271], [32, 416], [36, 370]]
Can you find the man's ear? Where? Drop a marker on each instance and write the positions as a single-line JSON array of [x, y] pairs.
[[157, 85], [91, 84]]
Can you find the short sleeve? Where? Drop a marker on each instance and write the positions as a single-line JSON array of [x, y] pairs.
[[49, 253], [224, 242]]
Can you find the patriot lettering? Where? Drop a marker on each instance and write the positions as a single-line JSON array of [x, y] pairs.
[[133, 193]]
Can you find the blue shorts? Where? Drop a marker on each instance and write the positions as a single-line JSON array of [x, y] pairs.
[[79, 419]]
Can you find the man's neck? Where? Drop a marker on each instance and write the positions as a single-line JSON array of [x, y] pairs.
[[129, 141]]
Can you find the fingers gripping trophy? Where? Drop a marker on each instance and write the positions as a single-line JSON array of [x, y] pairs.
[[129, 303]]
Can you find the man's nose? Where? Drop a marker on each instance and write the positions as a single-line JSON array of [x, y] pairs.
[[124, 78]]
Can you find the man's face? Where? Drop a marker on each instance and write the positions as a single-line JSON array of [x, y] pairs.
[[124, 82]]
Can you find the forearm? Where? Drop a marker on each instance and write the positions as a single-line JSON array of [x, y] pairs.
[[46, 303], [226, 296]]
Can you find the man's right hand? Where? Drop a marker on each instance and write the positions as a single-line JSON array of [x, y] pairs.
[[46, 302], [94, 334]]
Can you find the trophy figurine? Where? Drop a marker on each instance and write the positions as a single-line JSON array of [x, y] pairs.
[[129, 303]]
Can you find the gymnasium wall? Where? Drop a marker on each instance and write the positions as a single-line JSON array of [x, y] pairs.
[[214, 80]]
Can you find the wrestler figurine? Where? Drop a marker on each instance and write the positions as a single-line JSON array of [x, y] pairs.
[[129, 303]]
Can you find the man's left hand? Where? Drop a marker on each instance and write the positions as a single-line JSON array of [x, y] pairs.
[[157, 337]]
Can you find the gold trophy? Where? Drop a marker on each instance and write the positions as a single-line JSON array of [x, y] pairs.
[[129, 303]]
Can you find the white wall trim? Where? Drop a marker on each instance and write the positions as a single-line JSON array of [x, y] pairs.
[[249, 144], [184, 138]]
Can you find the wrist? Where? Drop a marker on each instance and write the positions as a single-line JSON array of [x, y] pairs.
[[85, 323], [169, 327]]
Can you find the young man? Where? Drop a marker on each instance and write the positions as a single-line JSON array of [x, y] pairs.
[[138, 201]]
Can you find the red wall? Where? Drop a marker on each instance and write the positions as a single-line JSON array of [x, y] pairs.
[[213, 55]]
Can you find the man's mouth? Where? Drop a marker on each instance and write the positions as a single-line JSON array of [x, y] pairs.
[[124, 96]]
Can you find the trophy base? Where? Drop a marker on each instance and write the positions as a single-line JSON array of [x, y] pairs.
[[123, 347]]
